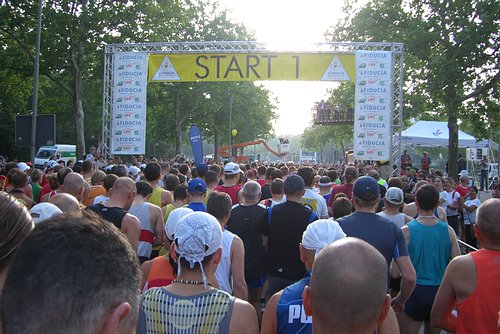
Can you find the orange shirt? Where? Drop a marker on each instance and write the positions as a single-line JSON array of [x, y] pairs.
[[94, 192], [161, 273], [479, 312]]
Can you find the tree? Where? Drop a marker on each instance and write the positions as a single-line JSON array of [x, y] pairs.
[[452, 57], [252, 112], [72, 31], [73, 37]]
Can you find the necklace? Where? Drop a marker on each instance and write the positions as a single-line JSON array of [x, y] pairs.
[[185, 281], [430, 216]]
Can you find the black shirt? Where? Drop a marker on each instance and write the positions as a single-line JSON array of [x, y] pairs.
[[285, 226], [114, 214], [245, 222], [265, 192]]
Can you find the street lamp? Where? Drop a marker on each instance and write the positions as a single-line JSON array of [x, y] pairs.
[[230, 126], [34, 114]]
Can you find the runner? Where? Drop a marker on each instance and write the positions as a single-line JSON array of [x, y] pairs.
[[230, 272], [115, 210], [245, 221], [230, 186], [471, 281], [150, 218], [197, 249]]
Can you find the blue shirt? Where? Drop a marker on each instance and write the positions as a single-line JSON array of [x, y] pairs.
[[197, 206], [378, 231], [290, 311]]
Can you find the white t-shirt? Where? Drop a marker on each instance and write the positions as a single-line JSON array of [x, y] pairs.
[[453, 197], [470, 217], [101, 199], [316, 202], [443, 195]]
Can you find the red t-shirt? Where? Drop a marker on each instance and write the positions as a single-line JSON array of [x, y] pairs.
[[231, 191], [45, 190], [462, 190], [343, 188], [261, 182]]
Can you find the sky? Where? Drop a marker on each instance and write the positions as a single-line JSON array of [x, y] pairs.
[[289, 22]]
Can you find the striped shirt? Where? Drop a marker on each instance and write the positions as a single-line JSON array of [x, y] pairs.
[[207, 312]]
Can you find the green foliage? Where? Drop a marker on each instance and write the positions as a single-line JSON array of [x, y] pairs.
[[451, 56], [74, 34]]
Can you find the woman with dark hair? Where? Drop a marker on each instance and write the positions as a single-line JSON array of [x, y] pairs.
[[15, 224], [470, 207], [452, 204]]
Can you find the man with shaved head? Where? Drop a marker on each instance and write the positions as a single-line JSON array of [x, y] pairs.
[[348, 288], [65, 202], [470, 282], [115, 210], [73, 184]]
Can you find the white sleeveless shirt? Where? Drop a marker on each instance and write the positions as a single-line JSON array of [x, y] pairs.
[[145, 245], [223, 272], [398, 219]]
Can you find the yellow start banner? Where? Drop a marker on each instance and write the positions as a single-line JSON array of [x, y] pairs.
[[251, 67]]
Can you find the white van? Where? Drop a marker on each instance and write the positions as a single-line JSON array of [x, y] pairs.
[[62, 152]]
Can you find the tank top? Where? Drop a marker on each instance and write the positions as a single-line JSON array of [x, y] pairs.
[[479, 312], [436, 214], [36, 192], [430, 251], [231, 191], [161, 273], [113, 214], [398, 219], [290, 311], [156, 196], [223, 272], [145, 245], [207, 312]]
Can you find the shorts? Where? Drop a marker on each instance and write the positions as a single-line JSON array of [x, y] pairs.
[[419, 305], [395, 284], [453, 222], [255, 282]]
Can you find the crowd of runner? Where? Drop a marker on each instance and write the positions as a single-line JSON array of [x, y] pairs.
[[170, 246]]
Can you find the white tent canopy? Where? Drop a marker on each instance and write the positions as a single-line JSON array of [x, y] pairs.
[[435, 134]]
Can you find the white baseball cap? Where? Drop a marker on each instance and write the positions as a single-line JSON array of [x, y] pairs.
[[394, 195], [231, 168], [134, 170], [22, 166], [43, 211], [51, 164]]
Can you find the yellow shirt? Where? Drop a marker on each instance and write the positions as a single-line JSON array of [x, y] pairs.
[[156, 196]]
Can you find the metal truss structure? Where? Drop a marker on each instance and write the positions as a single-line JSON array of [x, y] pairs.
[[397, 50]]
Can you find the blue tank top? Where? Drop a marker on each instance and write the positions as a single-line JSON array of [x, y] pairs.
[[430, 251], [290, 312]]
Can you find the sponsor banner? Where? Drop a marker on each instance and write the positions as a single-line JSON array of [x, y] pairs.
[[284, 148], [128, 125], [373, 105], [196, 143], [251, 67], [307, 156]]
